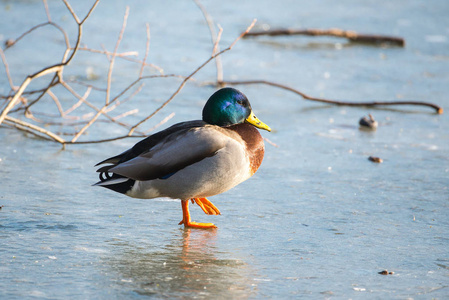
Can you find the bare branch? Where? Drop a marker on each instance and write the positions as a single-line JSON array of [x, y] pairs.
[[22, 88], [25, 129], [36, 128], [438, 109]]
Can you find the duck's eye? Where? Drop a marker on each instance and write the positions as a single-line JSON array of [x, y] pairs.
[[242, 102]]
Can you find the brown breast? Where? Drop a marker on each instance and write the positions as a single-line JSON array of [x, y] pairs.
[[254, 144]]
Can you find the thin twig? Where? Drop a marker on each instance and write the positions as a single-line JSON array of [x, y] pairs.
[[216, 49], [111, 63], [5, 63], [72, 12], [243, 34], [95, 117], [72, 80], [89, 12], [125, 56], [104, 51], [35, 128], [165, 120], [117, 103], [13, 42], [47, 12], [125, 136], [125, 114], [106, 140], [80, 27], [438, 109], [25, 129], [271, 143], [214, 37], [84, 100], [56, 101], [140, 79], [52, 83], [80, 101], [147, 49]]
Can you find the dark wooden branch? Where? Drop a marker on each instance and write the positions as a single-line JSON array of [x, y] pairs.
[[348, 34], [438, 109]]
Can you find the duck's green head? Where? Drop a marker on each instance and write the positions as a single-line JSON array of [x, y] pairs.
[[229, 106]]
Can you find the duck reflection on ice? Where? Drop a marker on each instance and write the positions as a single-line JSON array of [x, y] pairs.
[[190, 266]]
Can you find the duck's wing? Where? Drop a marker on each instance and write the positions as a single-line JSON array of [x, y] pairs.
[[148, 143], [175, 152], [166, 152]]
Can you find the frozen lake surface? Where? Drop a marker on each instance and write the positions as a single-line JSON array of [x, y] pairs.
[[318, 220]]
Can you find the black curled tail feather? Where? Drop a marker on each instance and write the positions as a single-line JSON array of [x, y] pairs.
[[105, 176], [115, 182]]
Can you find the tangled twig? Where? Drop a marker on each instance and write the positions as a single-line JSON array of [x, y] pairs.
[[51, 69], [111, 101]]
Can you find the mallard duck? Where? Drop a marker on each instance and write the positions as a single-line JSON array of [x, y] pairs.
[[192, 160]]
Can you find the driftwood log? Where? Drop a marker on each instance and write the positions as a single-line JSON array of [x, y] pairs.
[[351, 35]]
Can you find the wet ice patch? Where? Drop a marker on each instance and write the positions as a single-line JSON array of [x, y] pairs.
[[436, 39], [90, 250]]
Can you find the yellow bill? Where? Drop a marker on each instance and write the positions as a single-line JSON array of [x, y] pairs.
[[253, 120]]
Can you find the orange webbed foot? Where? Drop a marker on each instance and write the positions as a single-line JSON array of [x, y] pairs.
[[207, 206], [192, 224], [186, 216]]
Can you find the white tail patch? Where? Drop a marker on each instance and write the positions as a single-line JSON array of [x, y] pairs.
[[112, 181]]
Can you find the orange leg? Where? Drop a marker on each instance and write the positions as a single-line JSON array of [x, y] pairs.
[[207, 206], [186, 218]]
